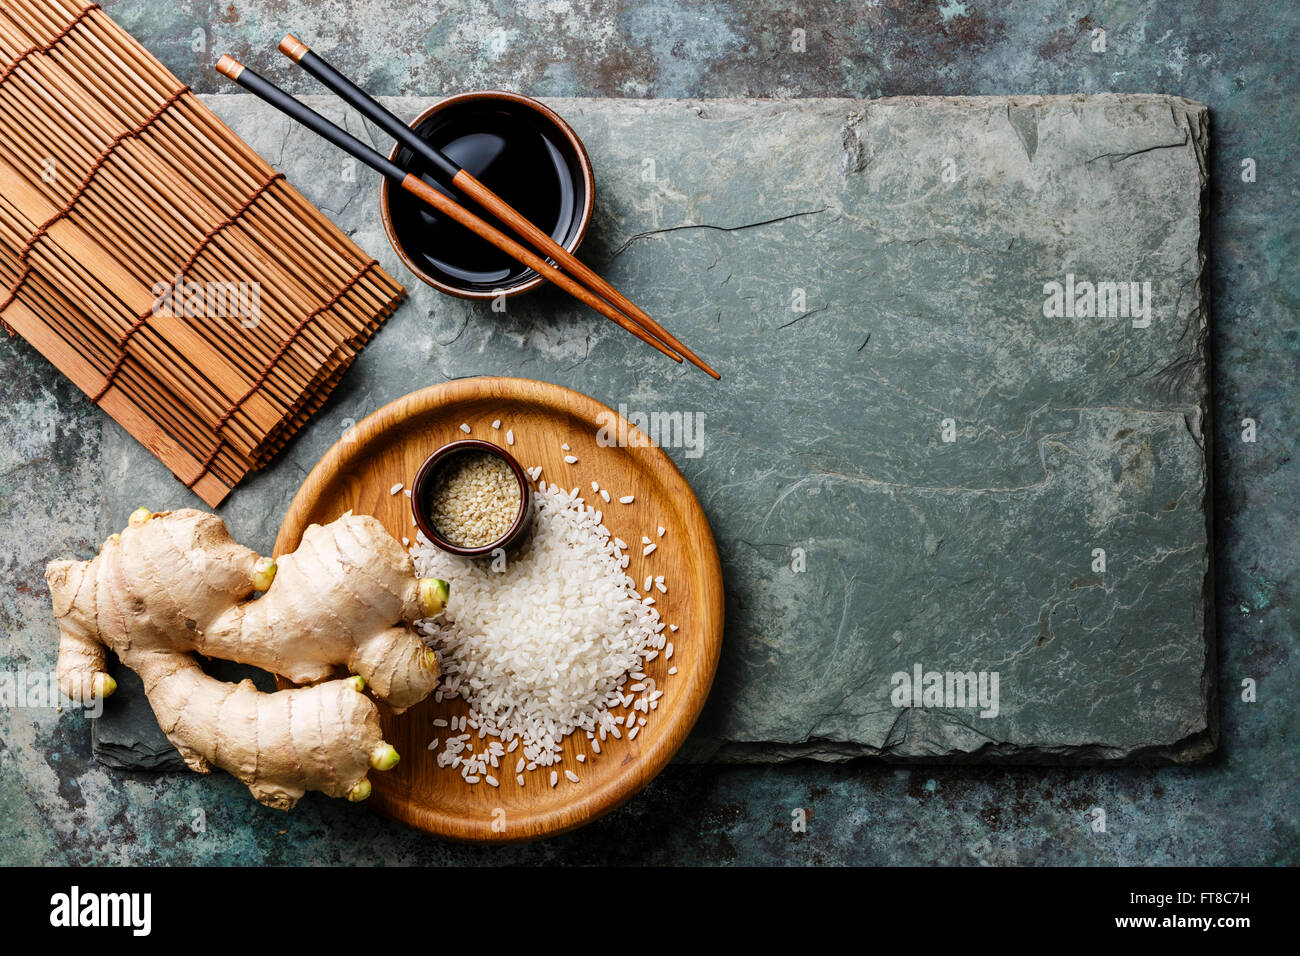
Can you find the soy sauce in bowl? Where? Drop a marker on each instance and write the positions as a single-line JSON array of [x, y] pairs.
[[521, 150]]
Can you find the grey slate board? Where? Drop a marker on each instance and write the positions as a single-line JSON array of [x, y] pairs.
[[919, 235]]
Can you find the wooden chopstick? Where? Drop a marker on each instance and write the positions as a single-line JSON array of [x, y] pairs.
[[451, 174], [345, 141]]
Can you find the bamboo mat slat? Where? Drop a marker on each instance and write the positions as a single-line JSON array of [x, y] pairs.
[[159, 262]]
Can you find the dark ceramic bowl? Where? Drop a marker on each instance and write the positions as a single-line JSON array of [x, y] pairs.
[[521, 150], [423, 485]]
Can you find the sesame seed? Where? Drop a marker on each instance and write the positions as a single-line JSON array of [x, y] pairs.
[[475, 500]]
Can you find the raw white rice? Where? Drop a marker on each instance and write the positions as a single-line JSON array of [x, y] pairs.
[[627, 499], [464, 427], [395, 489], [544, 647]]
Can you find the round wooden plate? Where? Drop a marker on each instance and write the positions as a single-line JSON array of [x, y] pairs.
[[388, 447]]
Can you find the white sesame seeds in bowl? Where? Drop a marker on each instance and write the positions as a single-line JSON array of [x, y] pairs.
[[471, 498]]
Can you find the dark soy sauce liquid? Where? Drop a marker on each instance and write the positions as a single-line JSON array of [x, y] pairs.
[[513, 152]]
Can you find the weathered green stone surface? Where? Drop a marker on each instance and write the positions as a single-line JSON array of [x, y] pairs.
[[862, 272], [58, 805]]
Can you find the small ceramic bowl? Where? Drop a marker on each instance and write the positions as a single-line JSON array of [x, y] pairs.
[[423, 485], [521, 150]]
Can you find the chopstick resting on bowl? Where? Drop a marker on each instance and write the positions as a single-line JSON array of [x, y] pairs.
[[456, 177], [413, 184]]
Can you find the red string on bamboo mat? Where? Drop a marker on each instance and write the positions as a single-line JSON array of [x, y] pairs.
[[49, 45], [144, 316], [271, 363], [77, 193]]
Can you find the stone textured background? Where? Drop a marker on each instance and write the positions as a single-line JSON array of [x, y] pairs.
[[57, 806]]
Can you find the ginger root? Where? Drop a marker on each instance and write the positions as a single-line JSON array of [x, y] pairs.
[[175, 583]]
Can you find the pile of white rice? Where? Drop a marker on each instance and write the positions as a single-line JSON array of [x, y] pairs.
[[555, 642]]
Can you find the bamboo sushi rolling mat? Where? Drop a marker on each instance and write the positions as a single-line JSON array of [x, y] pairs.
[[158, 261]]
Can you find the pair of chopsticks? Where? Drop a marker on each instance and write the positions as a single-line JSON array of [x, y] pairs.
[[566, 271]]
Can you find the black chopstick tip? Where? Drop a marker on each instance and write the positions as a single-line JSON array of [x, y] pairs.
[[229, 67]]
